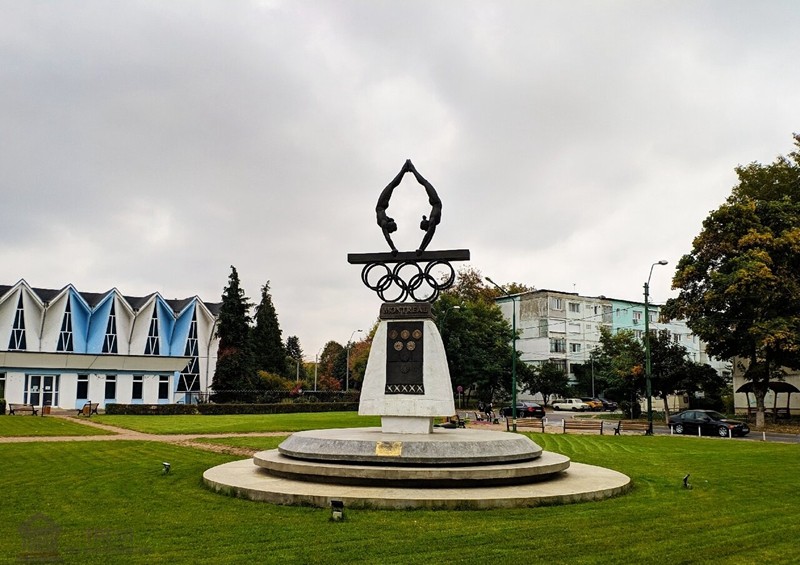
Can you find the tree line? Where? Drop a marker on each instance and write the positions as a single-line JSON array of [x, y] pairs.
[[254, 361]]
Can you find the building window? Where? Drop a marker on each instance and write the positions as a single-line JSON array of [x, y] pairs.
[[65, 337], [83, 387], [638, 334], [17, 341], [137, 387], [637, 316], [110, 343], [575, 347], [574, 307], [2, 385], [558, 345], [111, 387], [151, 347], [556, 304], [163, 387], [560, 363], [543, 327], [190, 376]]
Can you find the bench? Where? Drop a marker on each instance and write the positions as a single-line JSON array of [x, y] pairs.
[[582, 425], [631, 425], [536, 423], [452, 422], [88, 409], [13, 409]]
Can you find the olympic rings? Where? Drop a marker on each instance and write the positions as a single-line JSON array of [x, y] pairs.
[[422, 286]]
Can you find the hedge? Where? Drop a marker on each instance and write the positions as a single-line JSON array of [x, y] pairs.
[[218, 409]]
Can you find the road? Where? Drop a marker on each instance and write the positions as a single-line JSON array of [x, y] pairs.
[[556, 416]]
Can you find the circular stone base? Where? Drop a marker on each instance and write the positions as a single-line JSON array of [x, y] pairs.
[[539, 469], [442, 447], [580, 483]]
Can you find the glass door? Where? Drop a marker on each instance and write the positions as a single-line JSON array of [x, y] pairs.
[[42, 390]]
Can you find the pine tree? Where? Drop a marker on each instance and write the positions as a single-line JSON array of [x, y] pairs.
[[234, 372], [268, 349], [294, 358]]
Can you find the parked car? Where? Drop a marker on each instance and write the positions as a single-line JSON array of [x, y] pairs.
[[609, 405], [574, 404], [708, 421], [594, 404], [524, 410]]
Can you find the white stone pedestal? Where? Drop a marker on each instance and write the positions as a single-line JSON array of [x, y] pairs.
[[408, 413]]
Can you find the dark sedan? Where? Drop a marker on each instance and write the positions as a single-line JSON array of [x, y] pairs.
[[708, 422], [524, 410]]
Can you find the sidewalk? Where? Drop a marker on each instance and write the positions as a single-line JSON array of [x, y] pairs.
[[122, 434]]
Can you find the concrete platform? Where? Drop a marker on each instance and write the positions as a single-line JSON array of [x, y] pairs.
[[579, 483], [461, 476], [442, 447]]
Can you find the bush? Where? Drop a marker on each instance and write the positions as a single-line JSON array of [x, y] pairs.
[[279, 408], [151, 409]]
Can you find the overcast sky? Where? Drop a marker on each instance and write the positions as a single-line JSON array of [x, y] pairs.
[[149, 146]]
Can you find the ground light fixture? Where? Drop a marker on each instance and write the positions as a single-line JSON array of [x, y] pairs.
[[647, 364], [337, 510], [513, 354]]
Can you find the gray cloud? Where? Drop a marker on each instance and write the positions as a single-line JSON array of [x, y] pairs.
[[150, 145]]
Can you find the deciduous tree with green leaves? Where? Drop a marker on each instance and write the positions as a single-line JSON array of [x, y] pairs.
[[740, 284], [674, 373], [548, 379], [477, 338]]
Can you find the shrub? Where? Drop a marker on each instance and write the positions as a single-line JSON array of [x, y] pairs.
[[279, 408], [151, 409]]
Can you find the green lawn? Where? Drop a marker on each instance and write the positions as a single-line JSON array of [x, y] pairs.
[[48, 426], [113, 504], [239, 423], [260, 443]]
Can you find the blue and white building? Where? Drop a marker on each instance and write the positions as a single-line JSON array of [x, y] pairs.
[[65, 347]]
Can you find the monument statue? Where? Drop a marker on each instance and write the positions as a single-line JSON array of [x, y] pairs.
[[406, 463], [407, 380]]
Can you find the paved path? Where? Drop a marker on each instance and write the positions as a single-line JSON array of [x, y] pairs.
[[122, 434]]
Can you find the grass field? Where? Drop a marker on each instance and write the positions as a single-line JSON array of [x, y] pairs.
[[239, 423], [28, 426], [111, 503]]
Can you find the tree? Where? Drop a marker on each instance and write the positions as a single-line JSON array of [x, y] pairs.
[[740, 284], [235, 376], [477, 341], [673, 373], [359, 355], [268, 349], [294, 359], [619, 361], [547, 379], [326, 379]]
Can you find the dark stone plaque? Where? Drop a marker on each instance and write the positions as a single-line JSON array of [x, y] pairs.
[[404, 341], [418, 310]]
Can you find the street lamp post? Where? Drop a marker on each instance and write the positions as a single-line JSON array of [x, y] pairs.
[[647, 362], [440, 323], [513, 354], [347, 361], [316, 367]]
